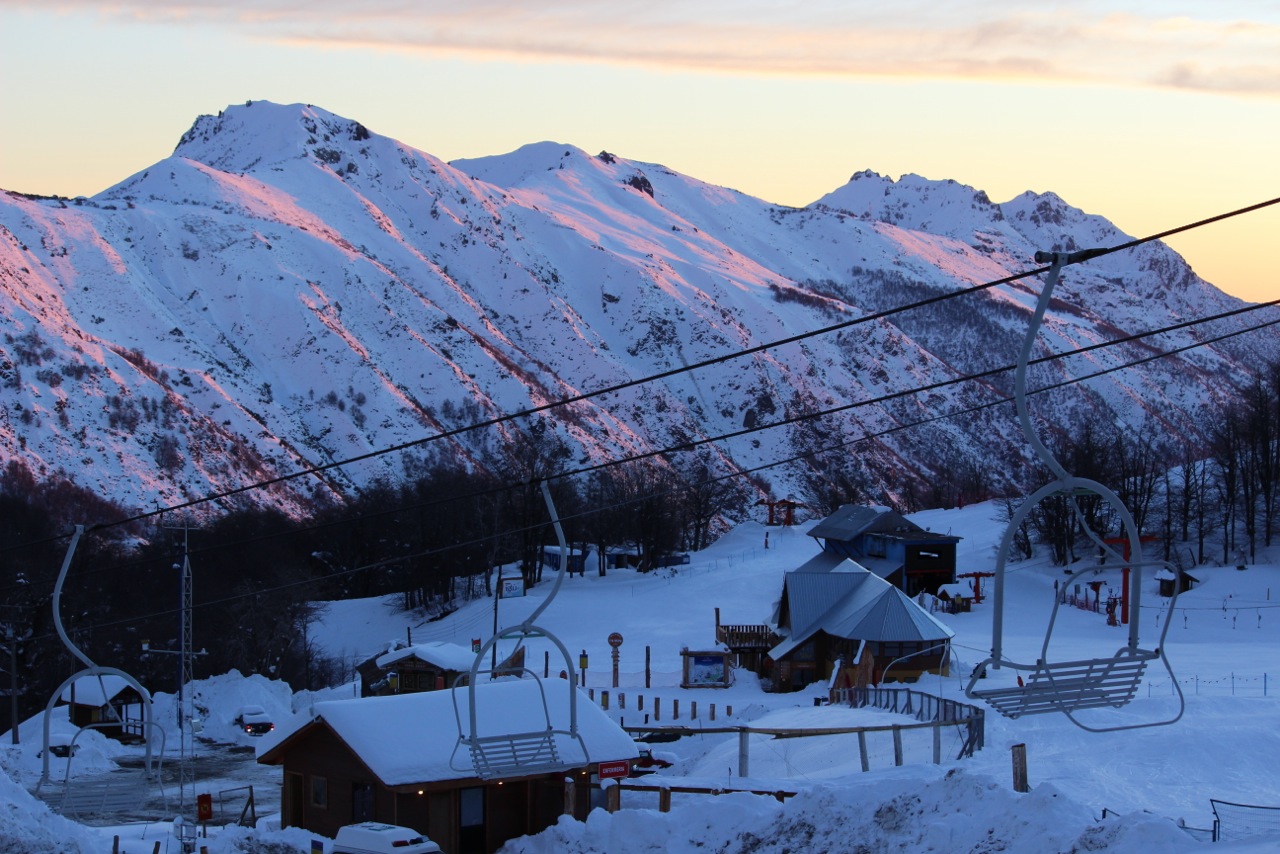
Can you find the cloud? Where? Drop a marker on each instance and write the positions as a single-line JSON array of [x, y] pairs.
[[1223, 47]]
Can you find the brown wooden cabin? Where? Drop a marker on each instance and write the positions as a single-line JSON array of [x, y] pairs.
[[397, 759], [109, 703], [409, 668], [1182, 582]]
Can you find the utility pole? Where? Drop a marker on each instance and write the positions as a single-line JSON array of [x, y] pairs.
[[185, 705], [12, 637]]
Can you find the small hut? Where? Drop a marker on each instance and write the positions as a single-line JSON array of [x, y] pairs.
[[409, 668], [107, 703], [1183, 581], [399, 760]]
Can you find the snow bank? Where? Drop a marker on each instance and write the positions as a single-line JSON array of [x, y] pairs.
[[922, 810], [27, 826]]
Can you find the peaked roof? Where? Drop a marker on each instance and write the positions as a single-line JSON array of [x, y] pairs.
[[851, 602], [414, 738], [94, 690], [448, 656], [810, 591], [851, 520]]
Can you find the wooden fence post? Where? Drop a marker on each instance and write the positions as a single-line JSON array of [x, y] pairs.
[[897, 745], [570, 796], [604, 700], [1020, 768], [713, 711], [664, 800], [693, 710], [657, 708], [744, 753], [675, 709], [613, 797], [862, 750], [937, 745]]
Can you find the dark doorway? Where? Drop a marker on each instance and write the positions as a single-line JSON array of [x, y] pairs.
[[471, 821], [361, 802]]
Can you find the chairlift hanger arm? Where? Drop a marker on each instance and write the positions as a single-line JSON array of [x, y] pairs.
[[1071, 686]]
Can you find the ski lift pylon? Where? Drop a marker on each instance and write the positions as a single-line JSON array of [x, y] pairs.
[[1069, 686], [528, 751]]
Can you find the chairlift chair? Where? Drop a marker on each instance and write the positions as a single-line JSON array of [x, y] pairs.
[[1069, 687], [126, 791], [535, 750]]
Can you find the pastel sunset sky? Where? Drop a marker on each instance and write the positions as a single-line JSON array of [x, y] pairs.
[[1152, 114]]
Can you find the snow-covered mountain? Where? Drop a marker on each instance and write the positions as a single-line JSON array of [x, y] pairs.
[[289, 289]]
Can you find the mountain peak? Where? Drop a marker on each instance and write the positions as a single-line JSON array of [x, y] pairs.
[[242, 137]]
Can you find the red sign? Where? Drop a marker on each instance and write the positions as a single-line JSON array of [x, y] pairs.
[[204, 807], [614, 770], [615, 640]]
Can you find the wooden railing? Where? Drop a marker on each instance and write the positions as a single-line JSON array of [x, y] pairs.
[[923, 707], [747, 637]]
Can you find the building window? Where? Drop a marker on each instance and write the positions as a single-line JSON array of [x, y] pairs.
[[319, 791]]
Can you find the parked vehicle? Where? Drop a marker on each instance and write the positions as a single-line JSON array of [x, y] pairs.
[[374, 837], [647, 763], [254, 720]]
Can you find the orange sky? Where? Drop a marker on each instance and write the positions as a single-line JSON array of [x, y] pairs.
[[1151, 115]]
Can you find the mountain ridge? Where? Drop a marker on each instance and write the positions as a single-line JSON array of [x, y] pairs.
[[290, 289]]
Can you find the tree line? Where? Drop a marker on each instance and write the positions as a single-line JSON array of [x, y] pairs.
[[260, 577], [432, 538]]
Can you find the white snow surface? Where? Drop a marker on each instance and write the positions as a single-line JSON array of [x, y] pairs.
[[1224, 637]]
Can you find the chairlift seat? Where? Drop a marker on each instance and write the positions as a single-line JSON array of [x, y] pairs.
[[1069, 686], [497, 756], [111, 794]]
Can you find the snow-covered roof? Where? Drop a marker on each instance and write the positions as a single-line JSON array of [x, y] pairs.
[[448, 656], [414, 738], [957, 588], [94, 690]]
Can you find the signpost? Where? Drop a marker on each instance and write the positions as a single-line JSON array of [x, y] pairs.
[[615, 641]]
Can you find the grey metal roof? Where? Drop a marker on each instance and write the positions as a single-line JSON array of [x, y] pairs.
[[889, 617], [856, 605], [809, 595], [823, 562], [851, 520], [881, 566]]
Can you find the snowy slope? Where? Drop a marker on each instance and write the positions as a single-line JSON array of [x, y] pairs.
[[290, 289], [1225, 746]]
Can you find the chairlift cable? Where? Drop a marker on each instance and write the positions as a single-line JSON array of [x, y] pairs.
[[755, 469]]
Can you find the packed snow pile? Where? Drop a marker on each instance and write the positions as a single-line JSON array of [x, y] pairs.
[[905, 810], [27, 825]]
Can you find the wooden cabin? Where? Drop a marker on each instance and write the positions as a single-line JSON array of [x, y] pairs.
[[109, 703], [409, 668], [1182, 582], [398, 760]]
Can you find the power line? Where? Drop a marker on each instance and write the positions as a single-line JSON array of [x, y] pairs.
[[689, 445], [391, 561], [813, 415]]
